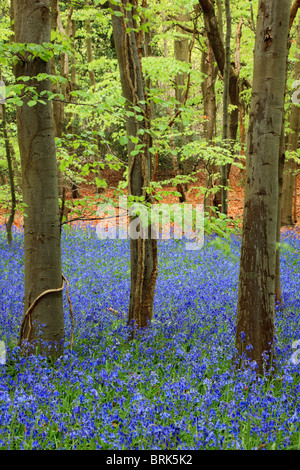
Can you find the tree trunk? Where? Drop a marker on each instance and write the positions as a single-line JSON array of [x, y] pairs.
[[69, 73], [181, 53], [43, 324], [237, 67], [287, 217], [214, 32], [10, 173], [143, 251], [179, 95], [209, 110], [57, 106], [214, 35], [220, 19], [224, 207], [92, 77], [89, 50], [281, 162], [256, 302], [148, 85], [71, 31]]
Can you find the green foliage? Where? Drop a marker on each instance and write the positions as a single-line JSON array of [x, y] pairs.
[[99, 138]]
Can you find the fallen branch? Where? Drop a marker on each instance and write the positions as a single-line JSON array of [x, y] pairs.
[[30, 309]]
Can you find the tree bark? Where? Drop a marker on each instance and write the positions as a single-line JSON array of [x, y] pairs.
[[92, 77], [43, 325], [57, 106], [237, 67], [293, 12], [143, 251], [181, 53], [256, 297], [11, 217], [216, 41], [209, 110], [281, 163], [224, 207], [214, 30], [287, 216], [89, 50]]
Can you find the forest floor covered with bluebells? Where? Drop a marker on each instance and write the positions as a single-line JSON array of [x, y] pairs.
[[174, 387]]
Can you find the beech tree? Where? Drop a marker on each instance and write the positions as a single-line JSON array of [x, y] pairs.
[[214, 30], [43, 323], [224, 205], [281, 163], [143, 250], [215, 38], [256, 297], [287, 215], [10, 170]]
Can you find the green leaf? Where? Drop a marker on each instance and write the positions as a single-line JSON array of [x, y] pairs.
[[100, 183], [19, 102], [123, 140]]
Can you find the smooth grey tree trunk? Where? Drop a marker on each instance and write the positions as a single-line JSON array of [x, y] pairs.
[[256, 297], [43, 326]]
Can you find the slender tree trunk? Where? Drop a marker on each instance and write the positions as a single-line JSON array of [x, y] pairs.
[[179, 49], [215, 35], [178, 94], [10, 174], [68, 71], [181, 53], [208, 92], [209, 110], [281, 162], [287, 217], [71, 31], [241, 107], [294, 9], [224, 208], [220, 19], [143, 251], [256, 297], [92, 77], [148, 85], [57, 106], [89, 50], [43, 323], [252, 18]]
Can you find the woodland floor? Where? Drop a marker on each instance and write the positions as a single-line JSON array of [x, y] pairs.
[[235, 195]]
